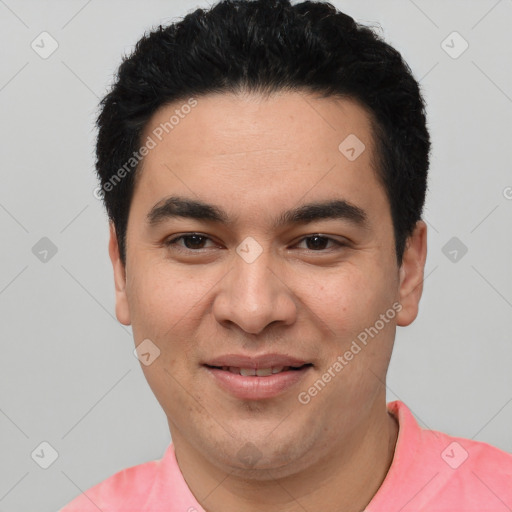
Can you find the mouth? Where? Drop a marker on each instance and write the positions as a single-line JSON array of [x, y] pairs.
[[258, 372], [258, 383]]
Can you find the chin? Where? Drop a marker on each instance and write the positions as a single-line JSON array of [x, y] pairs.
[[259, 460]]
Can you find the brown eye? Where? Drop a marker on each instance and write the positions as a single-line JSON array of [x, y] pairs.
[[318, 242], [192, 242]]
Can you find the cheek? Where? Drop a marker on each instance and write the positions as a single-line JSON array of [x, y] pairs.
[[161, 300], [163, 305], [348, 298]]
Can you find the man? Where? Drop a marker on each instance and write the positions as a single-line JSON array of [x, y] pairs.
[[264, 168]]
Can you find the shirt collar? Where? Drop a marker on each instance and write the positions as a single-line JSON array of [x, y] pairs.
[[171, 493]]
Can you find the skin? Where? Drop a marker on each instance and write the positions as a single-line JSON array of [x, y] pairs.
[[256, 157]]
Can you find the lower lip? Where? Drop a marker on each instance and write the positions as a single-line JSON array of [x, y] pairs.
[[254, 387]]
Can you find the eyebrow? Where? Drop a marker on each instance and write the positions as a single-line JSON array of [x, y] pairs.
[[182, 207]]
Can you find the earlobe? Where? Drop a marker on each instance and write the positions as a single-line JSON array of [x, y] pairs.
[[411, 274], [122, 309]]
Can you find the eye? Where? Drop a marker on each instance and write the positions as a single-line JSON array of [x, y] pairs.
[[191, 241], [317, 242], [194, 242]]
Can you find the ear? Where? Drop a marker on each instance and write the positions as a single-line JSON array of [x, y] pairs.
[[122, 309], [411, 274]]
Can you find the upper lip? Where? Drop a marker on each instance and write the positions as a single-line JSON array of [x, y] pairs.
[[262, 361]]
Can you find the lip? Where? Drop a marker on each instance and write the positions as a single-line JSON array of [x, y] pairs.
[[256, 362], [254, 387]]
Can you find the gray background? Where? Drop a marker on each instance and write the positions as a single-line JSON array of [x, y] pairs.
[[67, 369]]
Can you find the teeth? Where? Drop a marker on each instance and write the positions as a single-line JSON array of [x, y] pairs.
[[263, 372], [247, 371], [252, 372]]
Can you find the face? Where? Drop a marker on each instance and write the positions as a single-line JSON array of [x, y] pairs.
[[256, 241]]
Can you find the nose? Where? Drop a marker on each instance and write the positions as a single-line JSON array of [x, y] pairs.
[[255, 294]]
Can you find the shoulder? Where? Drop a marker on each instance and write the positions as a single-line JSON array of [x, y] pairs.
[[124, 491], [475, 458], [455, 452], [154, 485], [449, 470], [474, 474]]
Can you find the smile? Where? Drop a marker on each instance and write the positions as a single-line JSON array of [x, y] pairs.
[[257, 383], [260, 372]]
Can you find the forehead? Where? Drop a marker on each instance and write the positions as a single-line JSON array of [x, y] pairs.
[[293, 121], [254, 147]]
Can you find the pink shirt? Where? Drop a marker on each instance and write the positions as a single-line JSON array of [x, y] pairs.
[[431, 471]]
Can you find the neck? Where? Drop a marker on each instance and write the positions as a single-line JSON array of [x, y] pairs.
[[345, 479]]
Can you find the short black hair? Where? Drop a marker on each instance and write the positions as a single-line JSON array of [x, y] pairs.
[[266, 46]]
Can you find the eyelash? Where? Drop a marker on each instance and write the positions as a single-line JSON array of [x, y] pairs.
[[172, 243]]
